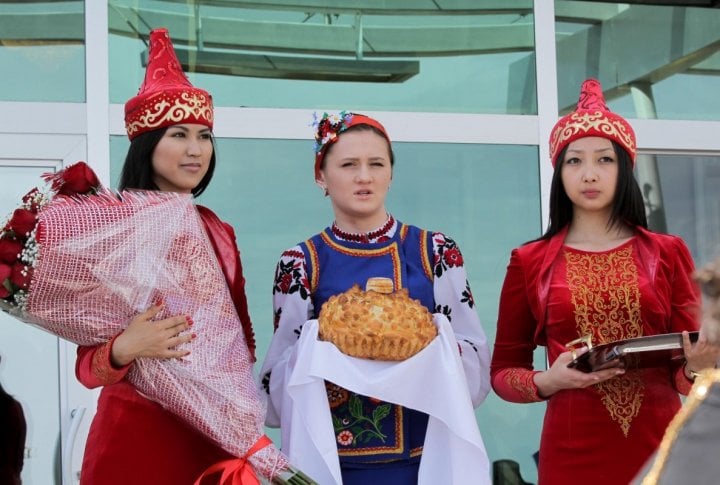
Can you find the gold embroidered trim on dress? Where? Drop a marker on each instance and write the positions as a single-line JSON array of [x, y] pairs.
[[101, 367], [391, 250], [427, 264], [605, 294], [315, 261], [622, 397], [521, 380]]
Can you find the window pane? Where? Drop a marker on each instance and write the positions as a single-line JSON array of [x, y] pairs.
[[653, 61], [486, 197], [683, 197], [473, 57], [42, 51]]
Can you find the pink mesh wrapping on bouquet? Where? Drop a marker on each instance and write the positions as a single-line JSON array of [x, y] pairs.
[[102, 261]]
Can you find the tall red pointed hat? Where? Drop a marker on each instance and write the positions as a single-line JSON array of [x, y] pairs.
[[592, 117], [166, 96]]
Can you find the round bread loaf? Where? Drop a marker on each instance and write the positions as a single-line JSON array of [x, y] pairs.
[[375, 324]]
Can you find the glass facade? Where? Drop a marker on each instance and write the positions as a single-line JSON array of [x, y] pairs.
[[690, 203], [399, 57], [653, 61], [457, 84], [42, 51]]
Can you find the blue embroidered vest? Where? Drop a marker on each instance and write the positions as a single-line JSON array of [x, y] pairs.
[[368, 430]]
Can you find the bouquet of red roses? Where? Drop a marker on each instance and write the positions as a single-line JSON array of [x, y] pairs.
[[18, 246], [81, 266]]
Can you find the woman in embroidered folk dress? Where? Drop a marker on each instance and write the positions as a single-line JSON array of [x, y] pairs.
[[597, 270], [132, 439], [353, 166]]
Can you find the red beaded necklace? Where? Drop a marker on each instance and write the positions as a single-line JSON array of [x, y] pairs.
[[363, 238]]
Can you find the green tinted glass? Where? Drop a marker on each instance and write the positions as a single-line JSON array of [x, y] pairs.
[[407, 55], [653, 61], [42, 51], [681, 197]]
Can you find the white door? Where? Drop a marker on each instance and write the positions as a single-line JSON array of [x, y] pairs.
[[37, 368]]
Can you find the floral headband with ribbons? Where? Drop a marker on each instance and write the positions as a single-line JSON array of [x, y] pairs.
[[330, 126]]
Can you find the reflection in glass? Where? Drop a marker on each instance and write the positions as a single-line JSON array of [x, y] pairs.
[[691, 202], [671, 53], [403, 56], [42, 51]]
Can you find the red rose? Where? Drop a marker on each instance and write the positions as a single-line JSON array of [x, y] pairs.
[[21, 275], [78, 178], [22, 222], [9, 250], [5, 272]]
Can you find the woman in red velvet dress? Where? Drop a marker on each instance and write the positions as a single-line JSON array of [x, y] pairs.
[[597, 270], [132, 439]]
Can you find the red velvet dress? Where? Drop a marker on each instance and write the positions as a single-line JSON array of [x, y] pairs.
[[133, 440], [554, 294]]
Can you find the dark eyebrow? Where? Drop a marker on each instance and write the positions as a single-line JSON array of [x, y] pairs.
[[186, 129], [574, 150]]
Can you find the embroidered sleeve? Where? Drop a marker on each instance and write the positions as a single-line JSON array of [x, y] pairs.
[[516, 384], [454, 299], [292, 304], [94, 367], [292, 307]]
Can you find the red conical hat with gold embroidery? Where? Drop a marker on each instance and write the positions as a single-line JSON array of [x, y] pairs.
[[166, 96], [592, 118]]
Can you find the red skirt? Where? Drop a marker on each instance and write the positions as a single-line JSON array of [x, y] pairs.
[[134, 440]]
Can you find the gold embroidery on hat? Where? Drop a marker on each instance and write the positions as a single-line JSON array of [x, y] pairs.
[[186, 107], [592, 122]]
